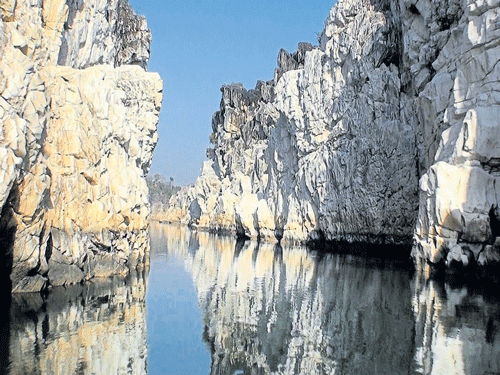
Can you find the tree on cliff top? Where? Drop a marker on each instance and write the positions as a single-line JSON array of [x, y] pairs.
[[161, 189]]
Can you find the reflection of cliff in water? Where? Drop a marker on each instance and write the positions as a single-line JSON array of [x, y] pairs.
[[272, 309], [457, 330], [280, 310], [287, 310], [95, 328]]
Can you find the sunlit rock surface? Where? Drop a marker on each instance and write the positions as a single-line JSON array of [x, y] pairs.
[[458, 103], [285, 310], [321, 151], [386, 130], [77, 133], [97, 328]]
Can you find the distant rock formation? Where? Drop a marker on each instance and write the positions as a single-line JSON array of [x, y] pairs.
[[78, 116], [334, 147], [160, 192]]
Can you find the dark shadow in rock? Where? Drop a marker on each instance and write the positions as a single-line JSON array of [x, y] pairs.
[[7, 233]]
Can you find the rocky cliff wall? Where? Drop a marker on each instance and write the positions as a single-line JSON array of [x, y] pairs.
[[77, 132], [384, 133], [322, 151], [458, 215]]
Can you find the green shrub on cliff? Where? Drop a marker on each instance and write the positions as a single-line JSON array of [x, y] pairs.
[[161, 189]]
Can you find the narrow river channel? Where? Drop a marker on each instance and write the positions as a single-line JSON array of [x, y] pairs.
[[211, 305]]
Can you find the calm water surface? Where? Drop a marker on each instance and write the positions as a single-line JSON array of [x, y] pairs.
[[210, 305]]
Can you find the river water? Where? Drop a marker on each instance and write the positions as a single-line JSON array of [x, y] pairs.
[[210, 305]]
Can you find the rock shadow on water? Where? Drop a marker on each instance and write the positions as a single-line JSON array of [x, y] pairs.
[[95, 327], [378, 254]]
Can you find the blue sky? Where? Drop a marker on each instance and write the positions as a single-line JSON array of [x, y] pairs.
[[200, 45]]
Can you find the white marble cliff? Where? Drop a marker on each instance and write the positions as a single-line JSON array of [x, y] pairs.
[[386, 132], [78, 117]]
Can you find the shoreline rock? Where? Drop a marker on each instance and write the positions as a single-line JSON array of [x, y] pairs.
[[385, 132], [77, 133]]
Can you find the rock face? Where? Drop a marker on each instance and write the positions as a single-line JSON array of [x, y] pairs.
[[77, 132], [322, 151], [385, 131], [458, 217]]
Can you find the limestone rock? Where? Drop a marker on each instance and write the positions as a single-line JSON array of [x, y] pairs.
[[76, 141], [321, 151], [489, 259], [387, 130], [30, 284], [458, 214]]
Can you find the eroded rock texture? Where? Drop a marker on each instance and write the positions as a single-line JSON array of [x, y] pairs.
[[77, 133], [321, 151], [459, 106], [386, 131]]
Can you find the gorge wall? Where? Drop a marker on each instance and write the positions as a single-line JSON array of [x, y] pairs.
[[78, 117], [386, 132]]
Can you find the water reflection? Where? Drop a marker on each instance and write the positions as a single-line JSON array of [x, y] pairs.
[[281, 310], [96, 328], [264, 310], [174, 318], [273, 310], [457, 330]]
